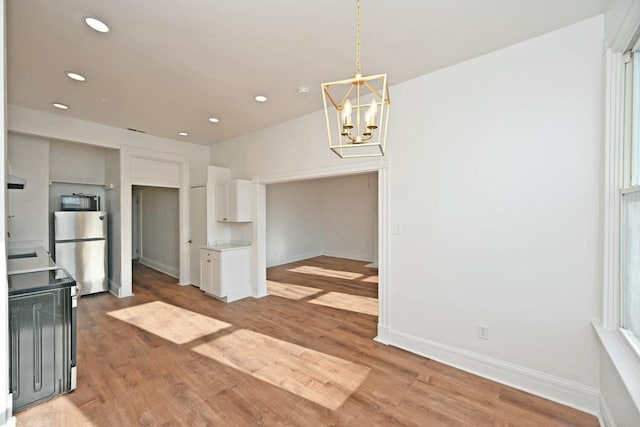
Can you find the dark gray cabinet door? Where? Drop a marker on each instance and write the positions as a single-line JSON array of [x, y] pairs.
[[38, 344]]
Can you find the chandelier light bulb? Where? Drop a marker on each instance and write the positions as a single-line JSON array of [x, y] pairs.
[[346, 113], [371, 114]]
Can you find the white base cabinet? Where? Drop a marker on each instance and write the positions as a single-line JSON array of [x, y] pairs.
[[226, 274]]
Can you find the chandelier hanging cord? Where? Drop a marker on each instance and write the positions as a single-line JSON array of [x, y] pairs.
[[358, 71]]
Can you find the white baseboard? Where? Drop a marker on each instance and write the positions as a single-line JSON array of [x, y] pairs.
[[383, 334], [116, 289], [347, 255], [295, 257], [579, 396], [301, 256], [163, 268], [259, 294]]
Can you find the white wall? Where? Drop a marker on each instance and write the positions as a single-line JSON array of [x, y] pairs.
[[331, 216], [294, 221], [160, 231], [76, 163], [493, 182], [349, 216], [57, 126], [28, 213]]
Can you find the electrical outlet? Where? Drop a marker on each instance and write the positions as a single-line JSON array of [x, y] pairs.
[[483, 332]]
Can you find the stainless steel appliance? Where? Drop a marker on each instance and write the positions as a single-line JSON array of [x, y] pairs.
[[80, 202], [42, 335], [81, 247]]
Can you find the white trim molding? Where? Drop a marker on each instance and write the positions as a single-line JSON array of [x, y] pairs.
[[613, 150], [180, 167], [570, 393], [624, 359], [606, 418], [161, 267], [366, 165], [116, 290]]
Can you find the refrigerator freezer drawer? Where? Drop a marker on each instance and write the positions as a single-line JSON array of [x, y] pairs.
[[86, 261]]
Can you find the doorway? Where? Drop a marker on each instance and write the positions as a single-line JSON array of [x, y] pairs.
[[155, 226], [321, 241], [365, 165]]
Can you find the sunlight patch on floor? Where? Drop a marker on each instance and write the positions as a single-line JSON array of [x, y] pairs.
[[342, 301], [167, 321], [321, 378], [319, 271], [287, 290], [58, 412], [371, 279]]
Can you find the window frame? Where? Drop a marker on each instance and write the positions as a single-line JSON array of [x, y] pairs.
[[630, 143]]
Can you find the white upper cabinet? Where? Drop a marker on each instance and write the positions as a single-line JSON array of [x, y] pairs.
[[233, 201]]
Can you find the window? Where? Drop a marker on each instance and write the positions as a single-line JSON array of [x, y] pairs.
[[630, 206]]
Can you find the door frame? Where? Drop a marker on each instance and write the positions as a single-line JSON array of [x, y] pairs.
[[154, 169], [136, 222], [380, 165]]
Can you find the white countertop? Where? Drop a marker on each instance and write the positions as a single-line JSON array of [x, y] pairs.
[[42, 261], [226, 246]]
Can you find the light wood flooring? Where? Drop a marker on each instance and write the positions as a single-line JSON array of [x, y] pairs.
[[303, 356]]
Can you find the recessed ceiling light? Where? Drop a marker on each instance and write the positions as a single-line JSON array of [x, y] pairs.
[[183, 133], [60, 105], [97, 24], [75, 76], [260, 98], [213, 120]]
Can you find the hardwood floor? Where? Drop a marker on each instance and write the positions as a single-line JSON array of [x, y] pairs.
[[172, 356]]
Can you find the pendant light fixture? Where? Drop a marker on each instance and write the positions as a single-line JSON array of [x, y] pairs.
[[357, 111]]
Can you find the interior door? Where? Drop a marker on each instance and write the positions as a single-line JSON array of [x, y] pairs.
[[197, 230]]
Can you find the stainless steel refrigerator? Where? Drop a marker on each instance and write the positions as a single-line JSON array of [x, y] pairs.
[[81, 248]]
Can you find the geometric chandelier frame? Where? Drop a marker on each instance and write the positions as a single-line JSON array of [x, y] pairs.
[[352, 131]]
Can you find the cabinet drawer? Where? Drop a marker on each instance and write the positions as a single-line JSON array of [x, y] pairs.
[[207, 254]]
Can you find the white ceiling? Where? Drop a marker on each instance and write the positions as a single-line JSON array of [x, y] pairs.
[[168, 65]]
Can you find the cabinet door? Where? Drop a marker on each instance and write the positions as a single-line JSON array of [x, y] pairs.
[[221, 201], [38, 351], [240, 201], [216, 281], [232, 201], [197, 230], [206, 278]]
